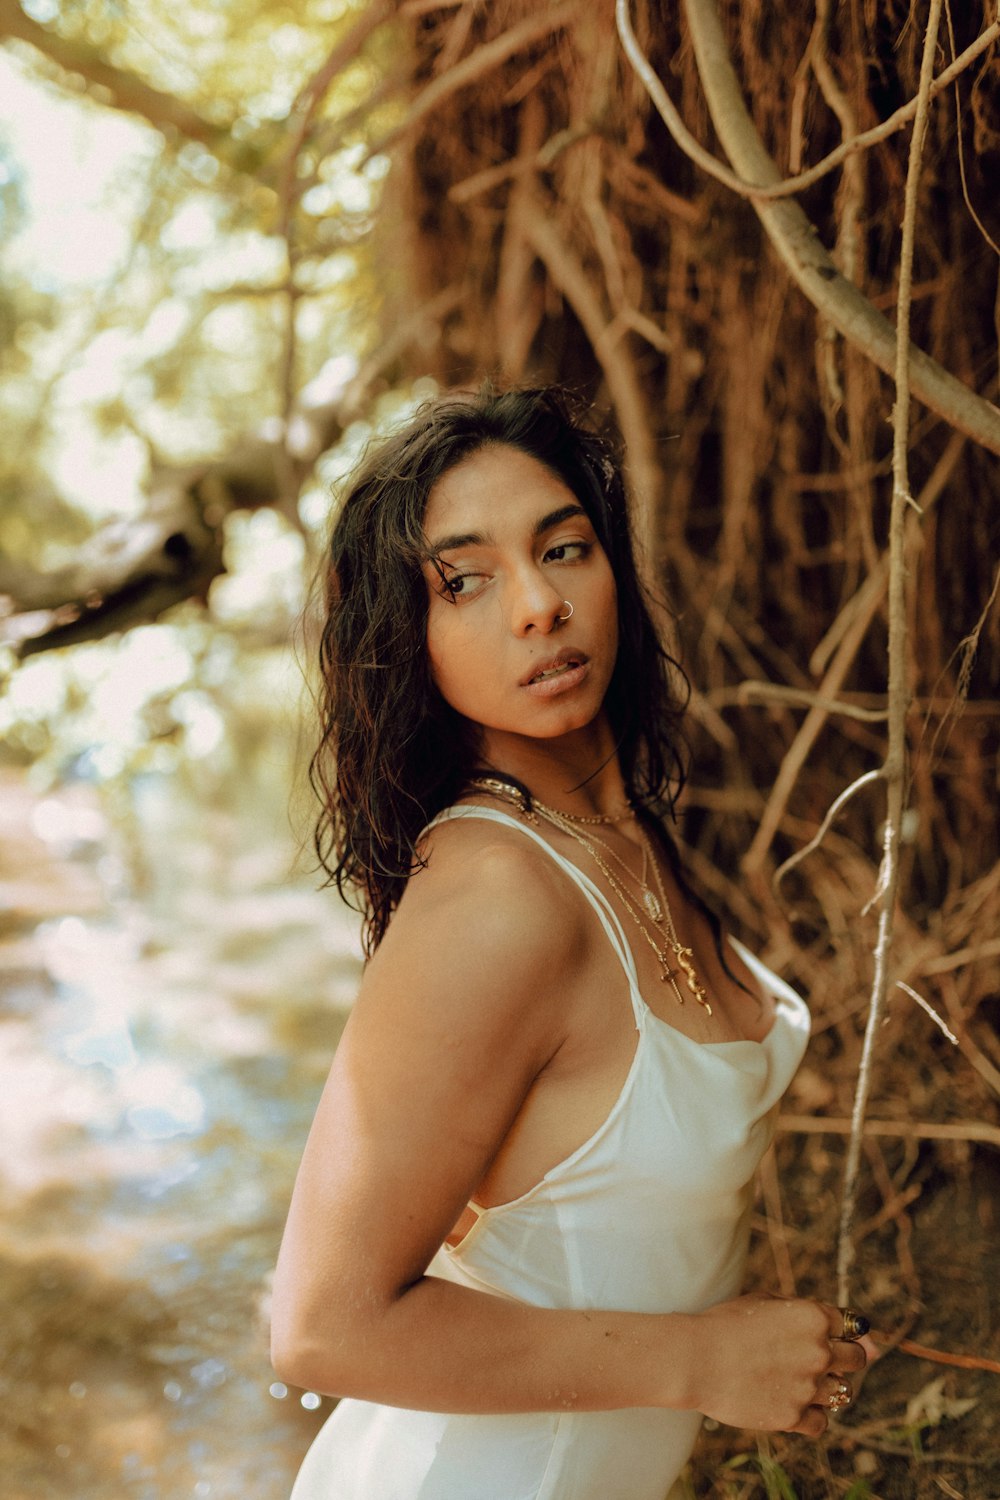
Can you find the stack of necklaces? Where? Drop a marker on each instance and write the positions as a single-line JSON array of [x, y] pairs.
[[651, 912]]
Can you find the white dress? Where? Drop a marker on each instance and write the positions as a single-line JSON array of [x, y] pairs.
[[651, 1214]]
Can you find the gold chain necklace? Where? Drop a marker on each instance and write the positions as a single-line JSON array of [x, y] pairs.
[[648, 898], [662, 922], [509, 793], [683, 954]]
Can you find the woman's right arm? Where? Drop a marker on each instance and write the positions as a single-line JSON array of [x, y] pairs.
[[458, 1013]]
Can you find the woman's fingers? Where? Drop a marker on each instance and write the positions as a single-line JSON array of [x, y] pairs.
[[847, 1356], [845, 1322], [872, 1350], [813, 1422], [783, 1364], [833, 1394]]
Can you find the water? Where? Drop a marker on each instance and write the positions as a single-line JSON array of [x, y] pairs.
[[160, 1059]]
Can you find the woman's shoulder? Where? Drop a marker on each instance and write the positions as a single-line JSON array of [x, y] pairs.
[[485, 884], [486, 917], [484, 864]]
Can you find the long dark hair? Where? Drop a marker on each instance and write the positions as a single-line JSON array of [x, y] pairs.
[[392, 752]]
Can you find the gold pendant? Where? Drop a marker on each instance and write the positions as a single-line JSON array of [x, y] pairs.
[[684, 957], [652, 906], [668, 976]]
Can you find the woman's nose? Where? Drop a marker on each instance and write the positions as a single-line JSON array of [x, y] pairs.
[[535, 605]]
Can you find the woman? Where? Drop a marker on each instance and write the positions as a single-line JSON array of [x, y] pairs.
[[518, 1233]]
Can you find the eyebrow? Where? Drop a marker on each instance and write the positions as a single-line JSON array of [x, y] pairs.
[[486, 539]]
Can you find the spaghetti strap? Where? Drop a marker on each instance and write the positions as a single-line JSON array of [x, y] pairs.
[[605, 912]]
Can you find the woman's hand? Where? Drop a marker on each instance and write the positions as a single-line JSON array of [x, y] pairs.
[[772, 1363]]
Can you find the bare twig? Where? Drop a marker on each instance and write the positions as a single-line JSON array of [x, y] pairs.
[[895, 760], [920, 1130], [961, 149], [966, 651], [831, 813], [958, 960], [775, 1220], [941, 1025], [937, 1356], [841, 643], [777, 692], [809, 730], [876, 580]]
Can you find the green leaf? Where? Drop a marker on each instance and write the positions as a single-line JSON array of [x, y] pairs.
[[776, 1481]]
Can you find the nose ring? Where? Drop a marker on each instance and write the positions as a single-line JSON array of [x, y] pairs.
[[569, 607]]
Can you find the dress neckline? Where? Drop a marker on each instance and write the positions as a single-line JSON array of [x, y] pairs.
[[786, 1002]]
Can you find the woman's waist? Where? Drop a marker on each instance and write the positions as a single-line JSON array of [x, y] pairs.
[[623, 1261]]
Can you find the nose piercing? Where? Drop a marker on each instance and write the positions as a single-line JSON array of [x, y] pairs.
[[569, 607]]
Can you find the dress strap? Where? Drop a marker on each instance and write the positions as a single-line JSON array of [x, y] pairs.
[[605, 911]]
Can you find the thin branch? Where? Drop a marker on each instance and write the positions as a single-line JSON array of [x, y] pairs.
[[790, 231], [809, 730], [941, 1025], [777, 692], [895, 760], [312, 94], [570, 278], [961, 149], [483, 60], [831, 812], [775, 1223], [966, 651], [900, 117], [670, 115], [839, 646], [962, 957], [970, 1048], [520, 166], [918, 1130], [760, 188], [937, 1356]]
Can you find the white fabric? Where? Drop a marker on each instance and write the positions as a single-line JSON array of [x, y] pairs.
[[651, 1214]]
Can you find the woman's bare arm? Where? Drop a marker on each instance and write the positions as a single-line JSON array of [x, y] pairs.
[[459, 1012]]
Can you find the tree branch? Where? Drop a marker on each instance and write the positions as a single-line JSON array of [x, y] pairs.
[[793, 237], [165, 112], [894, 769]]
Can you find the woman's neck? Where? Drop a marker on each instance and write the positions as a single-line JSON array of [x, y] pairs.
[[579, 774]]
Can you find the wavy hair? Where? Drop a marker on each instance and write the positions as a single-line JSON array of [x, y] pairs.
[[392, 752]]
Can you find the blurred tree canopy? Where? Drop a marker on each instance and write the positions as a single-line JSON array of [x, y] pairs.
[[337, 201]]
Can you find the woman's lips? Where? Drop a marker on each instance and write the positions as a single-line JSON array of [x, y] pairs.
[[563, 673]]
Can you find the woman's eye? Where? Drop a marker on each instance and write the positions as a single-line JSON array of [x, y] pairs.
[[567, 551], [461, 585]]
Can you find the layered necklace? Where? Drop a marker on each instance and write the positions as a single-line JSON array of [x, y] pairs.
[[651, 912]]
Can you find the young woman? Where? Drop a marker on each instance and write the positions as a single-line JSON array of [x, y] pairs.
[[517, 1237]]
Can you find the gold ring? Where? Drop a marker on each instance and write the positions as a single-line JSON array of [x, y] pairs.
[[839, 1398], [855, 1324]]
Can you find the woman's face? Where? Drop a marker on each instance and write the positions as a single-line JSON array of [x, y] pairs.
[[515, 547]]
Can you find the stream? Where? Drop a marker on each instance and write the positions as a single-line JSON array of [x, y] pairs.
[[170, 997]]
